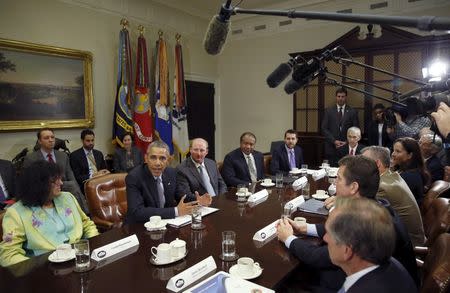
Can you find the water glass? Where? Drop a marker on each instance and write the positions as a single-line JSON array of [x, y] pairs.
[[279, 180], [286, 211], [304, 169], [196, 218], [228, 244], [306, 192], [82, 255]]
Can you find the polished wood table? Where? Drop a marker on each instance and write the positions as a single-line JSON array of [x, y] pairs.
[[135, 273]]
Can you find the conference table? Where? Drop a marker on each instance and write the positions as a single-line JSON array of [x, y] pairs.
[[135, 273]]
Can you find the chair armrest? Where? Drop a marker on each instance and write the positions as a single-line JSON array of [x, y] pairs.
[[102, 223], [419, 263], [421, 250]]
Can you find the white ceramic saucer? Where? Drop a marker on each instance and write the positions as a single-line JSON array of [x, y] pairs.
[[155, 262], [234, 271], [161, 226], [247, 194], [267, 185], [54, 257], [295, 172], [322, 196]]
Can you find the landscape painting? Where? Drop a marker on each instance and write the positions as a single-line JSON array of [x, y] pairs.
[[43, 86]]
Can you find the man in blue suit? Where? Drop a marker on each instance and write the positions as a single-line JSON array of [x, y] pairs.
[[152, 188], [243, 165], [288, 155]]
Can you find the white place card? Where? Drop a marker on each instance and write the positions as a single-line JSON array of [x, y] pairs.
[[114, 248], [115, 257], [299, 183], [186, 219], [192, 274], [294, 203], [224, 282], [266, 232], [258, 196], [255, 203], [319, 174]]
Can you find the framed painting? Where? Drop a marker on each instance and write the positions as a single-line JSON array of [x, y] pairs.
[[44, 86]]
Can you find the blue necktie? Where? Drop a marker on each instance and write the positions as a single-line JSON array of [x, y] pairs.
[[206, 180], [292, 159], [342, 290]]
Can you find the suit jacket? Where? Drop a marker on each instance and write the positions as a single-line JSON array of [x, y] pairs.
[[333, 130], [189, 179], [435, 168], [394, 189], [333, 277], [8, 176], [80, 166], [120, 159], [344, 150], [143, 198], [28, 231], [372, 135], [235, 168], [390, 277], [415, 183], [280, 159]]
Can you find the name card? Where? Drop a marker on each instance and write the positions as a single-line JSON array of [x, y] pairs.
[[294, 203], [258, 196], [114, 248], [319, 174], [192, 274], [266, 232], [299, 183], [115, 257]]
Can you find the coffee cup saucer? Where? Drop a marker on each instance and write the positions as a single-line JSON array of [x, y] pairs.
[[53, 257], [268, 185], [234, 271], [320, 196], [296, 172], [248, 193], [154, 260], [151, 227]]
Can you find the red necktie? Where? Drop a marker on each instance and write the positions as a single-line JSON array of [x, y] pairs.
[[351, 152], [50, 158]]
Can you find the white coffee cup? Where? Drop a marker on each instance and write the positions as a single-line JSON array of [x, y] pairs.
[[247, 266], [300, 220], [64, 251], [267, 181], [321, 192], [162, 253], [155, 221], [178, 248]]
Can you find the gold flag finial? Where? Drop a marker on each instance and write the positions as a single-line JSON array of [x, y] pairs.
[[141, 29], [160, 34], [178, 37], [124, 22]]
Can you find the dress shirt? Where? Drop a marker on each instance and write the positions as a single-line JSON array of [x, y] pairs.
[[291, 157], [310, 231], [380, 134], [204, 176], [91, 169], [44, 153], [353, 278]]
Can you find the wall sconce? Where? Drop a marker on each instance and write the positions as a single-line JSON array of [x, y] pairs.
[[369, 32]]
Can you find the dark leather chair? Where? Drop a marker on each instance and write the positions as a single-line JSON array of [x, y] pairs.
[[107, 199], [275, 144], [219, 166], [437, 220], [438, 188], [267, 160], [436, 267]]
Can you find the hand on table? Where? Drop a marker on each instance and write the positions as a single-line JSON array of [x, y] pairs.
[[298, 227], [284, 229], [185, 208]]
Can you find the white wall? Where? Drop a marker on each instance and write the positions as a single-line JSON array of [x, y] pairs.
[[62, 24]]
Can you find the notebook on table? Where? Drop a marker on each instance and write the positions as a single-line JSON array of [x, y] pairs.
[[313, 206]]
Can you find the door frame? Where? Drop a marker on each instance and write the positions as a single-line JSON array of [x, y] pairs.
[[217, 114]]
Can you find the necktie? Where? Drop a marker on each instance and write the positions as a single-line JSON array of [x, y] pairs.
[[50, 158], [91, 159], [340, 114], [342, 290], [292, 159], [251, 168], [160, 187], [2, 194], [352, 153], [206, 181]]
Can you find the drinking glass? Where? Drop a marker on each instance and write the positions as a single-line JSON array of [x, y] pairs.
[[82, 255], [279, 180], [306, 192], [229, 246], [196, 218], [304, 169]]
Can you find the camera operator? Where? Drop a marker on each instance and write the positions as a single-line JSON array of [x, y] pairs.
[[411, 122]]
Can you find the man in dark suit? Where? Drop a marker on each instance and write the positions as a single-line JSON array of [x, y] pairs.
[[152, 188], [7, 181], [46, 140], [357, 176], [288, 155], [353, 147], [243, 165], [198, 174], [430, 145], [86, 162], [376, 132], [361, 238], [336, 121]]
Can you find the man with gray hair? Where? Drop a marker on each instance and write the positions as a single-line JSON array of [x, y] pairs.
[[430, 145], [394, 189], [361, 238], [352, 148], [152, 188]]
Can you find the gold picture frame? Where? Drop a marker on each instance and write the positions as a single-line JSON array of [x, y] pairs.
[[44, 86]]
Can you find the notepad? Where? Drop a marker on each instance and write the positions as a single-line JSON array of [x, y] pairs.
[[314, 206], [181, 221]]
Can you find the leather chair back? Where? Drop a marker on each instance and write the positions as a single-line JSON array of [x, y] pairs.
[[219, 166], [436, 220], [267, 160], [436, 268], [438, 188], [107, 199]]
